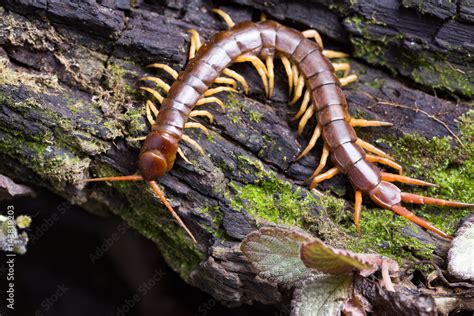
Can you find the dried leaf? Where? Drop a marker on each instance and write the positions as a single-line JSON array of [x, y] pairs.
[[322, 296], [9, 189], [460, 261], [275, 252], [324, 258]]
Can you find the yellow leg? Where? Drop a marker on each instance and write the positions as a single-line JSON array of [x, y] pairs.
[[289, 72], [181, 154], [154, 93], [314, 35], [390, 177], [365, 123], [303, 106], [385, 161], [322, 161], [271, 75], [259, 66], [136, 139], [225, 17], [213, 91], [193, 143], [148, 111], [342, 67], [371, 148], [160, 83], [166, 68], [333, 54], [202, 113], [197, 125], [202, 101], [322, 177], [195, 43], [231, 73], [298, 89], [357, 209], [347, 80], [296, 75], [225, 80], [304, 120], [312, 142]]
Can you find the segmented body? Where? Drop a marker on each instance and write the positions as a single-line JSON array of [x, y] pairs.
[[249, 41], [262, 39]]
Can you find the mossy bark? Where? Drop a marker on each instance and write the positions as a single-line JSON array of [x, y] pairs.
[[70, 110]]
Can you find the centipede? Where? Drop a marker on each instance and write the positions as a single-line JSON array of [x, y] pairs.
[[312, 78]]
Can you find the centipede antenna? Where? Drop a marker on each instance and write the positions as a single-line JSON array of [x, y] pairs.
[[133, 177], [400, 210], [154, 186]]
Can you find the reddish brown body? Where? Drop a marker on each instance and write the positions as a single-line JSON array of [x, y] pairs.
[[265, 39], [261, 39]]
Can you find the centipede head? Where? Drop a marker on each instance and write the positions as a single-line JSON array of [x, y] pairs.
[[157, 155]]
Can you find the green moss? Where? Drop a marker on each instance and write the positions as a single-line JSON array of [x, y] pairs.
[[255, 116], [451, 167], [273, 200], [437, 72], [376, 84]]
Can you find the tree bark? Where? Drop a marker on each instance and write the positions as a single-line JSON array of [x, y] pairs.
[[70, 108]]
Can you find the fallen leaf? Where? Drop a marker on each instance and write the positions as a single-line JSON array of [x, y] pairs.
[[275, 252], [323, 296]]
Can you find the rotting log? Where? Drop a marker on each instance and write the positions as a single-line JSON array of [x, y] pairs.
[[70, 108]]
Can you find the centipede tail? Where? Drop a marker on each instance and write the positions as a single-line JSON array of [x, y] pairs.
[[312, 77]]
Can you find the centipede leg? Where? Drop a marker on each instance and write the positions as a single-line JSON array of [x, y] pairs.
[[202, 113], [390, 177], [314, 35], [357, 209], [181, 154], [296, 76], [322, 161], [304, 120], [312, 142], [303, 105], [347, 80], [324, 176], [225, 80], [227, 19], [259, 66], [197, 125], [148, 109], [195, 43], [418, 199], [213, 91], [371, 148], [334, 54], [298, 89], [271, 75], [154, 93], [173, 73], [160, 83], [211, 100], [233, 74], [193, 143], [385, 161], [342, 67], [365, 123], [400, 210], [289, 72]]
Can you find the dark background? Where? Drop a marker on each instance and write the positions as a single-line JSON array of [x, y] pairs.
[[59, 274]]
